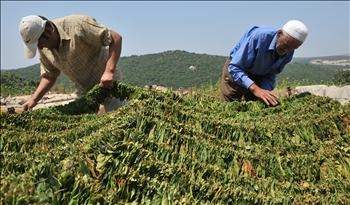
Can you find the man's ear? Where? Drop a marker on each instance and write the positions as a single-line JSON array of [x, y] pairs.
[[279, 32], [49, 27]]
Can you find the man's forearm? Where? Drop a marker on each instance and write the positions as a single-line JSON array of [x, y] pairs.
[[114, 52], [45, 85]]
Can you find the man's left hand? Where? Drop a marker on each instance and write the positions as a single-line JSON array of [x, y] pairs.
[[107, 79]]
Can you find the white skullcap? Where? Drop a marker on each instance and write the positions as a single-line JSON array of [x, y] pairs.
[[31, 27], [296, 29]]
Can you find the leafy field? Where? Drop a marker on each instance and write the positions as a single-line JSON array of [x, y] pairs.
[[169, 149]]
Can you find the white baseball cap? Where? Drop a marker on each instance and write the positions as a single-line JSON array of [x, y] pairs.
[[296, 29], [31, 27]]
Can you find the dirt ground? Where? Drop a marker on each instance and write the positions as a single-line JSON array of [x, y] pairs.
[[49, 100]]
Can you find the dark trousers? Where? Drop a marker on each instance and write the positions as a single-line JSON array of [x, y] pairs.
[[230, 90]]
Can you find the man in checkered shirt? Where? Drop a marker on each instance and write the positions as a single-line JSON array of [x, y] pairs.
[[77, 45]]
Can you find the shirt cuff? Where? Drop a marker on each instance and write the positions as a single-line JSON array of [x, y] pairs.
[[247, 82]]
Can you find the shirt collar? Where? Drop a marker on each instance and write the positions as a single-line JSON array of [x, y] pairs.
[[272, 45], [62, 33]]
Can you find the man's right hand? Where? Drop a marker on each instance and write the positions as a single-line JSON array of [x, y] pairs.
[[45, 84], [267, 96], [29, 105]]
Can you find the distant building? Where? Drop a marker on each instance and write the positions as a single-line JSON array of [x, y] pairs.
[[192, 67], [343, 62]]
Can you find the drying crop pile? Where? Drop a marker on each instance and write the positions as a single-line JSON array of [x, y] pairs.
[[162, 148]]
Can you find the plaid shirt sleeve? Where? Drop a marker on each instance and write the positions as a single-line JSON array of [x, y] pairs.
[[47, 69]]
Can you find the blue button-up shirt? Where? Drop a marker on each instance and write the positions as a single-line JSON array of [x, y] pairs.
[[255, 55]]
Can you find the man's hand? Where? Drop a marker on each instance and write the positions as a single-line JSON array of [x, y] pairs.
[[107, 79], [45, 84], [265, 95], [29, 105]]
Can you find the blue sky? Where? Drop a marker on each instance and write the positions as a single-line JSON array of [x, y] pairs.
[[201, 27]]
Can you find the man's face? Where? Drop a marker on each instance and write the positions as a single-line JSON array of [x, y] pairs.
[[49, 38], [286, 43]]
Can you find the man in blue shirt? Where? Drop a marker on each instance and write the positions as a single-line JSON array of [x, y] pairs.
[[250, 72]]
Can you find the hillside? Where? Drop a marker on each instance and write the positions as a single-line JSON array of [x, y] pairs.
[[172, 69], [322, 58], [183, 69], [13, 84], [162, 148], [12, 81], [310, 74]]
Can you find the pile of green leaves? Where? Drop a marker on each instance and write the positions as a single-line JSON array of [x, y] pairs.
[[164, 148]]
